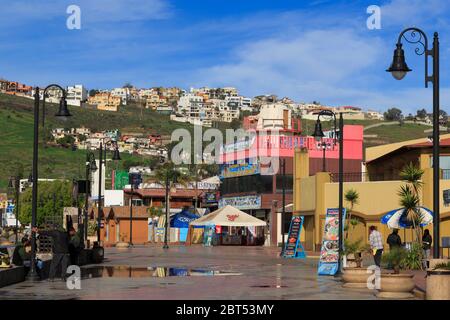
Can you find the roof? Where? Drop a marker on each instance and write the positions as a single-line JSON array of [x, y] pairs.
[[374, 153], [123, 212], [229, 216], [93, 212]]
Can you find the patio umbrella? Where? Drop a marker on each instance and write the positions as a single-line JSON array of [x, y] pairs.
[[397, 218]]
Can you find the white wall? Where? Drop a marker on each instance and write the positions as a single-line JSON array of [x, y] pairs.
[[114, 198]]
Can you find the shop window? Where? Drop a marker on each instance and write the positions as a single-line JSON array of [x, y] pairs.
[[288, 183]]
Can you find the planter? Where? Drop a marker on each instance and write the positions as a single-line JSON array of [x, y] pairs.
[[438, 284], [396, 286], [355, 277], [122, 245], [353, 261]]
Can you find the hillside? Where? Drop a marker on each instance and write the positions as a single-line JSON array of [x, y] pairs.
[[16, 132]]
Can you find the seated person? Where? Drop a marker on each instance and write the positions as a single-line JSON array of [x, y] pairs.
[[20, 255]]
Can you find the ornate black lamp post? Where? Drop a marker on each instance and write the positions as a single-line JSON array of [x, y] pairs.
[[318, 135], [102, 160], [90, 167], [14, 184], [63, 112], [398, 69], [324, 145]]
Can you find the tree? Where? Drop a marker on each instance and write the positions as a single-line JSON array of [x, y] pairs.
[[421, 114], [443, 118], [52, 198], [93, 92], [352, 197], [393, 114], [127, 85], [66, 141], [172, 174], [409, 196]]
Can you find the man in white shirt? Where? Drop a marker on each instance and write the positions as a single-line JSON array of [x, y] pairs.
[[376, 243]]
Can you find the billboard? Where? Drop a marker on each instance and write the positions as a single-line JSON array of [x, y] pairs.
[[238, 170], [242, 202], [120, 179]]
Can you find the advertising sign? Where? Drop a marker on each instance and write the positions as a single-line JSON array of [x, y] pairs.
[[238, 170], [210, 197], [120, 179], [293, 247], [329, 252], [242, 203]]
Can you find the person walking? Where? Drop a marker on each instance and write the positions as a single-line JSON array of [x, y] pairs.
[[376, 243], [427, 240], [394, 240], [75, 246], [60, 250]]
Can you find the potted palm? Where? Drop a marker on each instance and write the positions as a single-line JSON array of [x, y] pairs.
[[354, 275], [438, 282], [397, 284]]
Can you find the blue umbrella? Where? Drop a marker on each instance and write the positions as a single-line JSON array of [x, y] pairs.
[[397, 218]]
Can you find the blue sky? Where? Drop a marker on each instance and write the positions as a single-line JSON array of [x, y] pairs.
[[307, 50]]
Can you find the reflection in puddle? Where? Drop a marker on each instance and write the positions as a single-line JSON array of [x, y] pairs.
[[143, 272]]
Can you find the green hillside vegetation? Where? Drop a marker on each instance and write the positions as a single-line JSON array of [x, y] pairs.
[[16, 132]]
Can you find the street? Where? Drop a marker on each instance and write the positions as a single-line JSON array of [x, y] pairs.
[[240, 273]]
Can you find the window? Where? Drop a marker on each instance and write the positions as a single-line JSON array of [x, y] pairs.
[[288, 183], [253, 183]]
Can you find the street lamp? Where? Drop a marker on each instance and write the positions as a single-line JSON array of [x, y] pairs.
[[169, 189], [324, 145], [14, 184], [318, 135], [90, 167], [63, 112], [101, 161], [399, 69]]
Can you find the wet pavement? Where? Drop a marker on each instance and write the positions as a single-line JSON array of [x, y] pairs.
[[195, 272]]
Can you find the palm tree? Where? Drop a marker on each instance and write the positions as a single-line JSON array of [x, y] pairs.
[[409, 196], [352, 197], [171, 174]]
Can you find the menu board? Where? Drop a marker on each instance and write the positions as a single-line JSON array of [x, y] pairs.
[[293, 248], [329, 252]]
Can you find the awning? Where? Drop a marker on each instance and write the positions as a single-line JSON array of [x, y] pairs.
[[228, 216]]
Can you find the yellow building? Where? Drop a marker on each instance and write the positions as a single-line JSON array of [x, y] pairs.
[[105, 101], [377, 189]]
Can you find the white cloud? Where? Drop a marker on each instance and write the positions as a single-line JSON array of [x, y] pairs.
[[403, 13], [298, 66], [92, 11]]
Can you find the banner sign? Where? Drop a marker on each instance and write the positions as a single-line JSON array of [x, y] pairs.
[[329, 252], [210, 197], [238, 170], [293, 248], [242, 203], [120, 179]]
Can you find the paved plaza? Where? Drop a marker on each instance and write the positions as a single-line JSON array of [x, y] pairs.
[[239, 273]]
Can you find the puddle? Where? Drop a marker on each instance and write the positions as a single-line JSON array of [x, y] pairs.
[[269, 286], [146, 272]]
